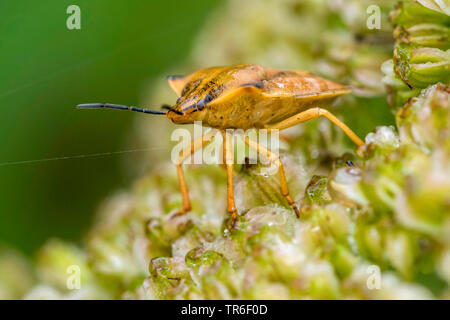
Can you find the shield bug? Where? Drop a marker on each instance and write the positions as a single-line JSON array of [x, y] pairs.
[[245, 96]]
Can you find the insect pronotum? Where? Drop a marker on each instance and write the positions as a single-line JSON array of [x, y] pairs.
[[245, 96]]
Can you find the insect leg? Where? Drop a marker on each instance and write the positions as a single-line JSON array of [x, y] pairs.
[[314, 113], [276, 159], [228, 157], [186, 152]]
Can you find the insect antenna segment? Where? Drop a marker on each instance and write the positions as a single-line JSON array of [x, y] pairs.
[[117, 107]]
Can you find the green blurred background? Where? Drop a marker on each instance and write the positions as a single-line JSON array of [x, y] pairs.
[[46, 70]]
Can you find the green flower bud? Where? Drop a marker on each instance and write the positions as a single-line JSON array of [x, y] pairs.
[[316, 192], [381, 142], [16, 275], [420, 67], [436, 5], [411, 12], [400, 251], [57, 261], [425, 34], [425, 120], [169, 268]]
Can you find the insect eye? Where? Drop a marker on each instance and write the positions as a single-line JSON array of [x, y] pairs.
[[201, 105]]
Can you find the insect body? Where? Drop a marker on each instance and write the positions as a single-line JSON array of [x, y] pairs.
[[246, 96]]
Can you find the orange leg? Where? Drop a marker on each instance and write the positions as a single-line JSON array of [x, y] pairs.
[[276, 159], [228, 157], [314, 113], [186, 152]]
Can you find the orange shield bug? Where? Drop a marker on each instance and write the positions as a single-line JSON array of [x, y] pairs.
[[242, 97]]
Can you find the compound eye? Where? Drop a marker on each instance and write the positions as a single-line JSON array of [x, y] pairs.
[[201, 105]]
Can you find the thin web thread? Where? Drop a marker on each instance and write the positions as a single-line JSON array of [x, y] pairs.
[[79, 156]]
